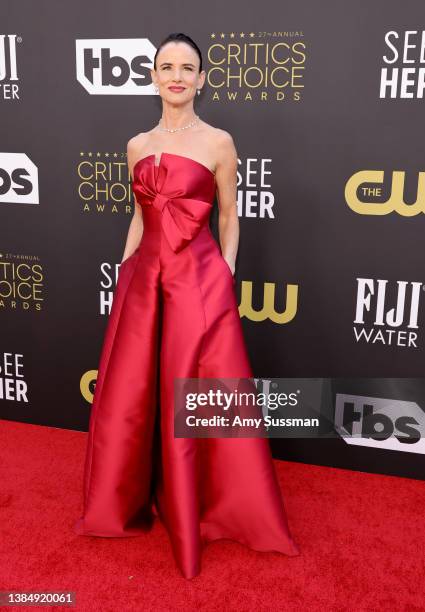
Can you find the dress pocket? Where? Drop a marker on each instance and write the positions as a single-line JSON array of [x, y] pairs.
[[132, 256], [226, 265]]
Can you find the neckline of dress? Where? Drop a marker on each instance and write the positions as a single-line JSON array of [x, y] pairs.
[[157, 165]]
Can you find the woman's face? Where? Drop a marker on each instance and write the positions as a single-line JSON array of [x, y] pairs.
[[176, 74]]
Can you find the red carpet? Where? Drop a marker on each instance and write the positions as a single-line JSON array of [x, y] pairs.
[[361, 538]]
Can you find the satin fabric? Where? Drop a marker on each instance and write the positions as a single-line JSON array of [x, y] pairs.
[[175, 314]]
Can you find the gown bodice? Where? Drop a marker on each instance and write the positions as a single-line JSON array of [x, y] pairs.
[[179, 188]]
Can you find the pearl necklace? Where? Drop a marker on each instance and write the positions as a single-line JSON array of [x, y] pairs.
[[180, 128]]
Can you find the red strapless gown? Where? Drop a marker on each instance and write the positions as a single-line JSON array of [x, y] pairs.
[[175, 314]]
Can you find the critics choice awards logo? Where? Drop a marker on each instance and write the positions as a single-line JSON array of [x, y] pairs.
[[256, 66], [21, 282], [104, 183]]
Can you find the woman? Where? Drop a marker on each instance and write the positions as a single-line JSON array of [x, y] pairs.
[[174, 315]]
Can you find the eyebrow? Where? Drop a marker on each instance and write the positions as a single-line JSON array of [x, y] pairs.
[[171, 63]]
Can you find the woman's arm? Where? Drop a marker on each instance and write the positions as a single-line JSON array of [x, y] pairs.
[[135, 231], [226, 180]]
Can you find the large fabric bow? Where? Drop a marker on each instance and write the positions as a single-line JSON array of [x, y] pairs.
[[182, 218]]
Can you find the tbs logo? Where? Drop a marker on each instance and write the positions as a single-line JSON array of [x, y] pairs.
[[18, 179], [380, 423], [108, 66]]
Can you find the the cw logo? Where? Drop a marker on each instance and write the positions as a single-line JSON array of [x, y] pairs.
[[268, 310], [87, 383], [394, 203]]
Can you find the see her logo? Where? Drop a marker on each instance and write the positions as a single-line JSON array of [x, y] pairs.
[[12, 384]]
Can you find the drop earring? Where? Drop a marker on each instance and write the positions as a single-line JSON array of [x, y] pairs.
[[199, 91]]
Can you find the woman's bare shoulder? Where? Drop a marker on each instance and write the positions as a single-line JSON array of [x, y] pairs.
[[225, 147], [135, 147], [137, 142], [218, 135], [222, 145]]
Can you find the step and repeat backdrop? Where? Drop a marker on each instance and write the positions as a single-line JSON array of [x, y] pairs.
[[325, 103]]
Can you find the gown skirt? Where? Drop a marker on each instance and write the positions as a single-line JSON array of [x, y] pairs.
[[175, 314]]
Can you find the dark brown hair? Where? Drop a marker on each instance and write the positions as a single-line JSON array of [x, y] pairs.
[[179, 37]]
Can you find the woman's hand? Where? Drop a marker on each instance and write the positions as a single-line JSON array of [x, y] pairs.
[[231, 266], [125, 256]]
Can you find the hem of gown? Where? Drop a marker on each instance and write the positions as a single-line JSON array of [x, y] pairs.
[[295, 551], [80, 529], [290, 549]]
